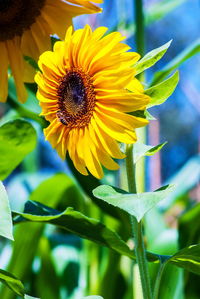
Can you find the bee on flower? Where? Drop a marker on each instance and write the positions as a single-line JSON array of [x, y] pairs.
[[86, 87]]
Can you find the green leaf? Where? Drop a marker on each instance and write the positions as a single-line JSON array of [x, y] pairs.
[[93, 297], [136, 205], [140, 150], [76, 223], [160, 9], [161, 92], [17, 139], [6, 226], [151, 58], [79, 224], [189, 174], [177, 61], [14, 284], [51, 191], [188, 259], [189, 226]]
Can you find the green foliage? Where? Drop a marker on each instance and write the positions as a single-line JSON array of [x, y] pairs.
[[14, 284], [51, 192], [140, 150], [161, 92], [134, 204], [189, 174], [17, 139], [188, 259], [151, 58], [76, 223], [189, 227], [187, 53], [5, 214], [160, 9]]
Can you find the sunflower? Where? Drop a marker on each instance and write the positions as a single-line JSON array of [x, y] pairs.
[[25, 28], [85, 86]]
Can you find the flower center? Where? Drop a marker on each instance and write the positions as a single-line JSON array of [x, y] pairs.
[[76, 99], [16, 16]]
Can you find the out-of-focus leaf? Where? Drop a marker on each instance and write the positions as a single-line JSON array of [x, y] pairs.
[[160, 9], [177, 61], [171, 285], [188, 259], [189, 226], [189, 174], [140, 150], [25, 246], [161, 92], [151, 58], [93, 297], [17, 139], [136, 205], [14, 284], [47, 275], [79, 224], [5, 215], [153, 13]]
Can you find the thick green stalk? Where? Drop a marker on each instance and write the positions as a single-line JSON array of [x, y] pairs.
[[137, 229], [140, 46], [139, 25]]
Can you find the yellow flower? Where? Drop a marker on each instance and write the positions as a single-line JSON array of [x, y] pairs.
[[83, 94], [25, 28]]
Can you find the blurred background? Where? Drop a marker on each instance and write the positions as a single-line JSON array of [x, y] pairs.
[[177, 121]]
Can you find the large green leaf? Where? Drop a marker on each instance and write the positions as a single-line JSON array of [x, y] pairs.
[[151, 58], [51, 192], [17, 139], [5, 214], [134, 204], [140, 150], [161, 92], [14, 284], [188, 259], [190, 51], [79, 224], [76, 223]]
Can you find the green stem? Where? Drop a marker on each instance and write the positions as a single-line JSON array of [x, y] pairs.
[[158, 280], [140, 46], [137, 229], [139, 23], [24, 112]]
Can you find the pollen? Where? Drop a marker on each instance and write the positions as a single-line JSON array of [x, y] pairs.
[[76, 99]]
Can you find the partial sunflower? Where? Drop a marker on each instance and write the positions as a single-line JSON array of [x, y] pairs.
[[25, 28], [83, 94]]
